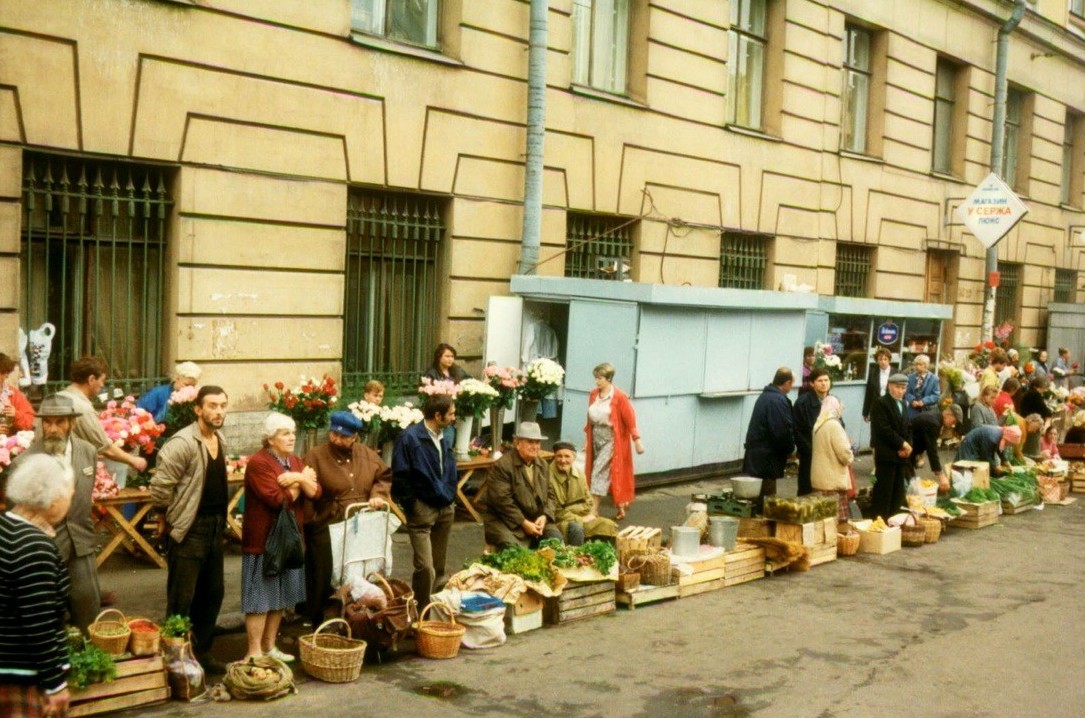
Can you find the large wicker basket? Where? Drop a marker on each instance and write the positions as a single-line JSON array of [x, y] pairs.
[[654, 568], [111, 636], [913, 535], [847, 544], [438, 639], [330, 657], [933, 528]]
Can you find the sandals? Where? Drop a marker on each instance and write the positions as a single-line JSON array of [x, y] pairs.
[[621, 514]]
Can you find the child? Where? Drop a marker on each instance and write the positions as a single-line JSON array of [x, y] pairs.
[[1049, 444]]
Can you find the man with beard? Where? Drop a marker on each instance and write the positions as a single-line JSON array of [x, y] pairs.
[[190, 489], [349, 472], [75, 539]]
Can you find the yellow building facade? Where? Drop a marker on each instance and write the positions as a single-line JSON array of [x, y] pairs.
[[236, 157]]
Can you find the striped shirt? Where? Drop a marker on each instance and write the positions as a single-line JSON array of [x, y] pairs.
[[33, 594]]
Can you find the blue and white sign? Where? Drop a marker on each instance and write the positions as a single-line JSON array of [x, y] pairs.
[[888, 333], [991, 211]]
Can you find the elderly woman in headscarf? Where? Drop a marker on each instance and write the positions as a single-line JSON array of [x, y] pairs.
[[33, 645], [831, 455], [985, 443], [275, 480]]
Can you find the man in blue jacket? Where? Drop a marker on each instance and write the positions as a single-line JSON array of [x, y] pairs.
[[770, 438], [424, 485]]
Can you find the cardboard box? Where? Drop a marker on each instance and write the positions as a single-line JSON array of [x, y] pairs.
[[877, 542], [515, 624], [980, 470]]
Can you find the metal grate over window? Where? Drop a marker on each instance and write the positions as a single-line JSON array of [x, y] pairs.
[[1065, 285], [743, 260], [852, 270], [598, 246], [391, 309], [1006, 298], [93, 263]]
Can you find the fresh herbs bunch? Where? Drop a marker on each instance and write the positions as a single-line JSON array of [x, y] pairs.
[[523, 562], [90, 665], [176, 626], [599, 554]]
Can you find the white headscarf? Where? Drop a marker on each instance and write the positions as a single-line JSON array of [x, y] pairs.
[[831, 408]]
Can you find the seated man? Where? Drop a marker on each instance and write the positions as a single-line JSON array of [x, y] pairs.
[[517, 503], [573, 514]]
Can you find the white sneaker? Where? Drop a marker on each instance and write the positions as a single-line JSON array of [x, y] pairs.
[[279, 655]]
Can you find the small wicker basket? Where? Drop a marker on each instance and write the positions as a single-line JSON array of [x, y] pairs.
[[913, 535], [933, 527], [330, 657], [111, 636], [847, 544], [628, 580], [144, 643], [654, 569], [438, 639]]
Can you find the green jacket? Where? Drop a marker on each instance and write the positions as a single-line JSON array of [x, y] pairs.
[[572, 502]]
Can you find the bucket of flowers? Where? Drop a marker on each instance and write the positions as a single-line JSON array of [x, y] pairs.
[[474, 399], [133, 430], [390, 423], [542, 378], [507, 382], [437, 387]]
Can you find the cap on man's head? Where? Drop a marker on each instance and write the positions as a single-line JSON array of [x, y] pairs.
[[564, 445], [529, 430], [345, 423], [898, 379], [57, 405]]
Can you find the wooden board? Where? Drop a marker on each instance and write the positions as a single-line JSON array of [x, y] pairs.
[[701, 576], [646, 594], [704, 587], [139, 682], [736, 580], [973, 522], [746, 563], [822, 554], [580, 600], [756, 528], [813, 533], [1009, 509]]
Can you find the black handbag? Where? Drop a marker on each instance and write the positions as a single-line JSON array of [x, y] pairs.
[[283, 549]]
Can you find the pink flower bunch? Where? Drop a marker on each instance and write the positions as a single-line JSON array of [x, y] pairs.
[[128, 426], [507, 380], [105, 486], [12, 446], [184, 395], [445, 387]]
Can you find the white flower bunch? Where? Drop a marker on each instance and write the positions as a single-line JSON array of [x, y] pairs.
[[545, 371], [474, 386], [364, 411], [833, 361], [402, 416]]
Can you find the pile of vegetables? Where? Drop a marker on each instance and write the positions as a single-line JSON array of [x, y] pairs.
[[800, 510], [949, 507], [981, 496], [523, 562], [599, 554], [90, 664], [1022, 484]]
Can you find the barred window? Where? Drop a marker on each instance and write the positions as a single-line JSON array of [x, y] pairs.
[[92, 255], [598, 246], [853, 264], [743, 260], [1009, 287], [1065, 285], [391, 309]]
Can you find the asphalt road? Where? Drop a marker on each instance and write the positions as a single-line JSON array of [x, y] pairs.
[[987, 622]]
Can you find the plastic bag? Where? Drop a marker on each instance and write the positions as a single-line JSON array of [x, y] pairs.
[[186, 677], [363, 543], [283, 549], [961, 482], [485, 629]]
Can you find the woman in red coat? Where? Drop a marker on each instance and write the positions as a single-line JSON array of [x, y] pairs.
[[16, 413], [612, 424]]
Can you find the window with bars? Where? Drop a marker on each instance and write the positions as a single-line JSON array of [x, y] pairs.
[[853, 265], [391, 309], [1065, 285], [93, 250], [743, 260], [413, 21], [856, 100], [601, 44], [1007, 296], [747, 42], [945, 100], [598, 246]]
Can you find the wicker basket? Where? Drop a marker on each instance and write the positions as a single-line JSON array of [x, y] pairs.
[[438, 639], [110, 636], [628, 580], [847, 544], [654, 569], [913, 535], [330, 657], [933, 528], [144, 643]]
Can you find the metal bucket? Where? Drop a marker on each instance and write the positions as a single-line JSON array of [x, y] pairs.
[[685, 540], [723, 531]]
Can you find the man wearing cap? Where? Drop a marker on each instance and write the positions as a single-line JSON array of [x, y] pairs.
[[349, 472], [985, 443], [517, 504], [157, 400], [88, 376], [890, 437], [424, 485], [573, 508], [75, 539], [927, 427]]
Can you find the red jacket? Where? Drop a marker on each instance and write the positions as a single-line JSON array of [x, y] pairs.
[[624, 422], [24, 412], [264, 498]]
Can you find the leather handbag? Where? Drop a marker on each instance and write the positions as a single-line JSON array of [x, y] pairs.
[[383, 627], [283, 549]]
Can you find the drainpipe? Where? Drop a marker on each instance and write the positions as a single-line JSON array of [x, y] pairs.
[[536, 130], [998, 139]]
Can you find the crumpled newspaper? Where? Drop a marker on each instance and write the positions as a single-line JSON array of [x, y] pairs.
[[505, 586]]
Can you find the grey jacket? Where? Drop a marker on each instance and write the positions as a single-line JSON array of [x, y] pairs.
[[75, 536], [177, 485]]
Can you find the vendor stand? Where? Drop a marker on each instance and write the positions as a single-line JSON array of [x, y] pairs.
[[126, 530]]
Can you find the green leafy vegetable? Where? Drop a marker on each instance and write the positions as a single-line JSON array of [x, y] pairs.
[[177, 626], [90, 665], [520, 561], [981, 496], [599, 554]]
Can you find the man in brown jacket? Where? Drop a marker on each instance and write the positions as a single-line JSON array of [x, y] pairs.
[[518, 501], [349, 472]]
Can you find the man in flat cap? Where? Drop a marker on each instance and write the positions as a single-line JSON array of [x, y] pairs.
[[574, 515], [349, 472], [890, 437], [517, 503]]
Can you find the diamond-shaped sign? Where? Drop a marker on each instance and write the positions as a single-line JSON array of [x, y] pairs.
[[991, 211]]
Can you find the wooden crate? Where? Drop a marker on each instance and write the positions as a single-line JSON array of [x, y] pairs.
[[813, 533], [634, 540], [822, 554], [756, 528], [642, 595], [139, 682], [746, 563], [976, 516], [1009, 509], [701, 570], [580, 600]]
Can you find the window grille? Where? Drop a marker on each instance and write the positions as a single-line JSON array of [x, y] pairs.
[[743, 260], [598, 246], [391, 309], [1065, 285], [852, 270], [93, 251], [1008, 287]]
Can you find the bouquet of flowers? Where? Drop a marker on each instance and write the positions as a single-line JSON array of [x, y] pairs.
[[826, 359], [475, 398], [369, 414], [542, 377], [1057, 398], [13, 445], [506, 380], [981, 354], [180, 409], [395, 419], [105, 486], [308, 404], [128, 426], [431, 387]]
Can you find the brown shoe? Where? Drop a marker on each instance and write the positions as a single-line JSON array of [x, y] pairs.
[[108, 598]]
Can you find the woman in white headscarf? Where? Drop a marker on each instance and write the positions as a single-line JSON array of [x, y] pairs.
[[831, 455]]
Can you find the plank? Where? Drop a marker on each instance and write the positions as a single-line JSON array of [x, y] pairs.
[[119, 686], [592, 600], [645, 595], [702, 577], [576, 614], [119, 703], [740, 567], [698, 588], [745, 578], [709, 564]]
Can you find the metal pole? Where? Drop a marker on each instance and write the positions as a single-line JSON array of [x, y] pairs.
[[998, 140], [536, 131]]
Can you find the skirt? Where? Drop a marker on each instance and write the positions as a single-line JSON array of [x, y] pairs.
[[21, 701], [602, 453], [260, 595]]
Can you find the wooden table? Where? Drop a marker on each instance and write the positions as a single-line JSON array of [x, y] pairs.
[[126, 531], [466, 470]]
